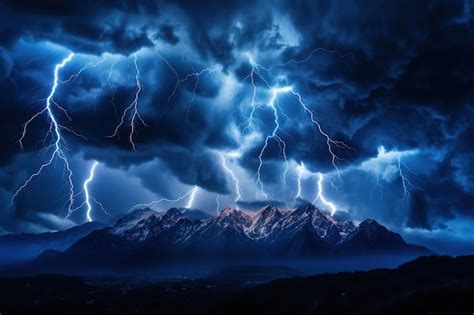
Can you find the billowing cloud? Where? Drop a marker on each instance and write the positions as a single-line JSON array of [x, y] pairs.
[[393, 87]]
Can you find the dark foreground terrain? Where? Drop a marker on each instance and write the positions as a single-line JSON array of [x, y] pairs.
[[428, 285]]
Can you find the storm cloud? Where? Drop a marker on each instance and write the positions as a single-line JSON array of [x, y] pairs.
[[394, 75]]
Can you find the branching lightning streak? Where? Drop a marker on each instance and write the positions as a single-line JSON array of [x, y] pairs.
[[234, 178], [275, 91], [254, 72], [189, 193], [195, 74], [320, 195], [88, 197], [329, 142], [89, 65], [273, 135], [310, 55], [57, 144], [405, 181], [132, 108]]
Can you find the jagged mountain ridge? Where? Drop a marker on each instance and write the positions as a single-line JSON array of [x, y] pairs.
[[145, 236]]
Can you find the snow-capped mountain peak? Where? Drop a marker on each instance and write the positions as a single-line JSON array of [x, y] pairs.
[[264, 221], [304, 230]]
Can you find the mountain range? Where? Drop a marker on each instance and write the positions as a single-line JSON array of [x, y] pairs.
[[18, 248], [147, 237]]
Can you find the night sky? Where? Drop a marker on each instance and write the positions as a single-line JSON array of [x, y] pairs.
[[233, 103]]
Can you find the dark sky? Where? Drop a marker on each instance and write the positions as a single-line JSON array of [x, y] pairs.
[[232, 103]]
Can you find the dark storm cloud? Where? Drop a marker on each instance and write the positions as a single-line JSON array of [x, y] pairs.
[[392, 73], [418, 216], [219, 28], [411, 91], [6, 64], [167, 33], [85, 26]]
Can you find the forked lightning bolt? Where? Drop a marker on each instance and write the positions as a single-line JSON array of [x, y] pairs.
[[406, 183], [88, 197], [88, 65], [301, 173], [57, 145], [131, 112], [181, 80], [320, 195], [331, 144], [272, 135], [273, 104]]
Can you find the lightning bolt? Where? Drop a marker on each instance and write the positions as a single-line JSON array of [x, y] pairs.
[[195, 75], [88, 196], [179, 81], [88, 65], [55, 131], [320, 195], [275, 91], [190, 193], [131, 112], [272, 135], [252, 76], [234, 178], [406, 183], [191, 197], [301, 172], [86, 191], [218, 205], [310, 55], [389, 158], [331, 144]]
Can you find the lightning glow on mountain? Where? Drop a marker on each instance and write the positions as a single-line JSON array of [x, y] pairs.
[[55, 127]]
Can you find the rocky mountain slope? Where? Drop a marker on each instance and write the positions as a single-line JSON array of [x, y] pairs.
[[148, 237]]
